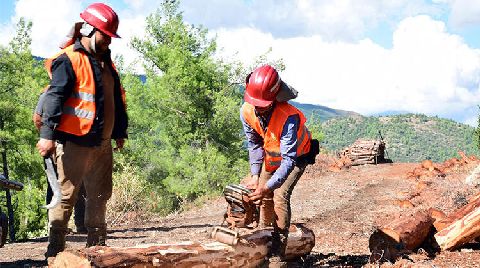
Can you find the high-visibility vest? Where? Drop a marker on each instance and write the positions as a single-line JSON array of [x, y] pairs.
[[271, 138], [79, 110]]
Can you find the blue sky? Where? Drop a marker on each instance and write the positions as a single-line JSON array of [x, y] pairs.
[[368, 56]]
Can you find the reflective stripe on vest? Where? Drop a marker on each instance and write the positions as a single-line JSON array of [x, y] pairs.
[[271, 138], [79, 109]]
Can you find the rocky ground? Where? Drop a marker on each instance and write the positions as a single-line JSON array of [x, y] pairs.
[[342, 207]]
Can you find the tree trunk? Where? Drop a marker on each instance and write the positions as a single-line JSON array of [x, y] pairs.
[[459, 213], [249, 252], [402, 235], [460, 227]]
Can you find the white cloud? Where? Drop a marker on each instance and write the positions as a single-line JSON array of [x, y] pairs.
[[324, 45], [346, 20], [49, 25], [427, 70], [464, 13]]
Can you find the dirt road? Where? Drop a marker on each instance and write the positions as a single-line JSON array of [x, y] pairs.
[[342, 208]]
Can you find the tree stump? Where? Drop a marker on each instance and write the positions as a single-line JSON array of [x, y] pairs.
[[402, 235]]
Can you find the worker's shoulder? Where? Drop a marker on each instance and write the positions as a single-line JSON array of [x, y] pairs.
[[61, 59]]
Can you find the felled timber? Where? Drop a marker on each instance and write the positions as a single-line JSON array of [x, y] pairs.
[[460, 227], [249, 252], [474, 177], [402, 235], [438, 217], [456, 215], [364, 151]]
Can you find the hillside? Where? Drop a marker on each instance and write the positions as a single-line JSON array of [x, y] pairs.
[[323, 112], [409, 137]]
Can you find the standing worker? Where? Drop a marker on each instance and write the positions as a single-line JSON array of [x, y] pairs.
[[280, 147], [83, 110], [79, 210]]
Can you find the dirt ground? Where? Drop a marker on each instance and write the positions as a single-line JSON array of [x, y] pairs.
[[342, 208]]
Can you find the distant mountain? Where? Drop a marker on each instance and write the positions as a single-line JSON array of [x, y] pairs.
[[325, 113], [408, 137], [391, 112]]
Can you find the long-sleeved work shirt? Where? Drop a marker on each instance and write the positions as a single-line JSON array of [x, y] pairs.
[[61, 87], [288, 148]]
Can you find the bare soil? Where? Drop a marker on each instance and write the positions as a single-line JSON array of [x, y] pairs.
[[342, 208]]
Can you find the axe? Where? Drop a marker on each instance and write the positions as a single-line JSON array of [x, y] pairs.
[[52, 177]]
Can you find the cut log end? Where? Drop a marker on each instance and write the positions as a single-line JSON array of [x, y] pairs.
[[402, 235]]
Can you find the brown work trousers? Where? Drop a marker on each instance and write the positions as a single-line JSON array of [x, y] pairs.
[[275, 208], [93, 167]]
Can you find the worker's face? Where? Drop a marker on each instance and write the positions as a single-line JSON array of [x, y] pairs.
[[102, 41], [264, 110]]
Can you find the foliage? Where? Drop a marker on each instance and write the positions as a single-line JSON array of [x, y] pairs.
[[314, 125], [409, 138], [21, 79], [184, 131]]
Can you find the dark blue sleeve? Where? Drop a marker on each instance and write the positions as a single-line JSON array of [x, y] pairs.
[[256, 152], [39, 107], [61, 86]]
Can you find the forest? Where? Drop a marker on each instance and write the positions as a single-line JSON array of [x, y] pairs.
[[185, 137]]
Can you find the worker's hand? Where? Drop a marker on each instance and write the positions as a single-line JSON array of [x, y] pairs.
[[120, 143], [259, 193], [252, 184], [45, 147], [37, 120]]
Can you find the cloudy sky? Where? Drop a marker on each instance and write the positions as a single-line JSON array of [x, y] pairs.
[[367, 56]]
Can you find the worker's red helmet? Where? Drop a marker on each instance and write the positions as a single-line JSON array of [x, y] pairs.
[[101, 17], [262, 86]]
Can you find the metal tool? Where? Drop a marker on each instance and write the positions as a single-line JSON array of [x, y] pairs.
[[8, 184], [52, 177], [241, 213], [225, 235]]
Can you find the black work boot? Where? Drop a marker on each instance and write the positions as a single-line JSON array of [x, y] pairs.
[[56, 241], [79, 212], [276, 257], [96, 237]]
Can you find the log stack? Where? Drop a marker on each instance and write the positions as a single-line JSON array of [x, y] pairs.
[[249, 252], [364, 151]]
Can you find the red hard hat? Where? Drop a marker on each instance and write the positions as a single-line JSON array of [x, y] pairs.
[[262, 86], [101, 17]]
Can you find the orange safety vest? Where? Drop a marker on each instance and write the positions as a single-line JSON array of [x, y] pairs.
[[79, 109], [271, 138]]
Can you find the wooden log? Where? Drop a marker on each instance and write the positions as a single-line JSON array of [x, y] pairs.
[[249, 252], [474, 177], [399, 236], [460, 227], [440, 224]]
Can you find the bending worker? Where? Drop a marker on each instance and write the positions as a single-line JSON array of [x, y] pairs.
[[83, 110], [279, 146]]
